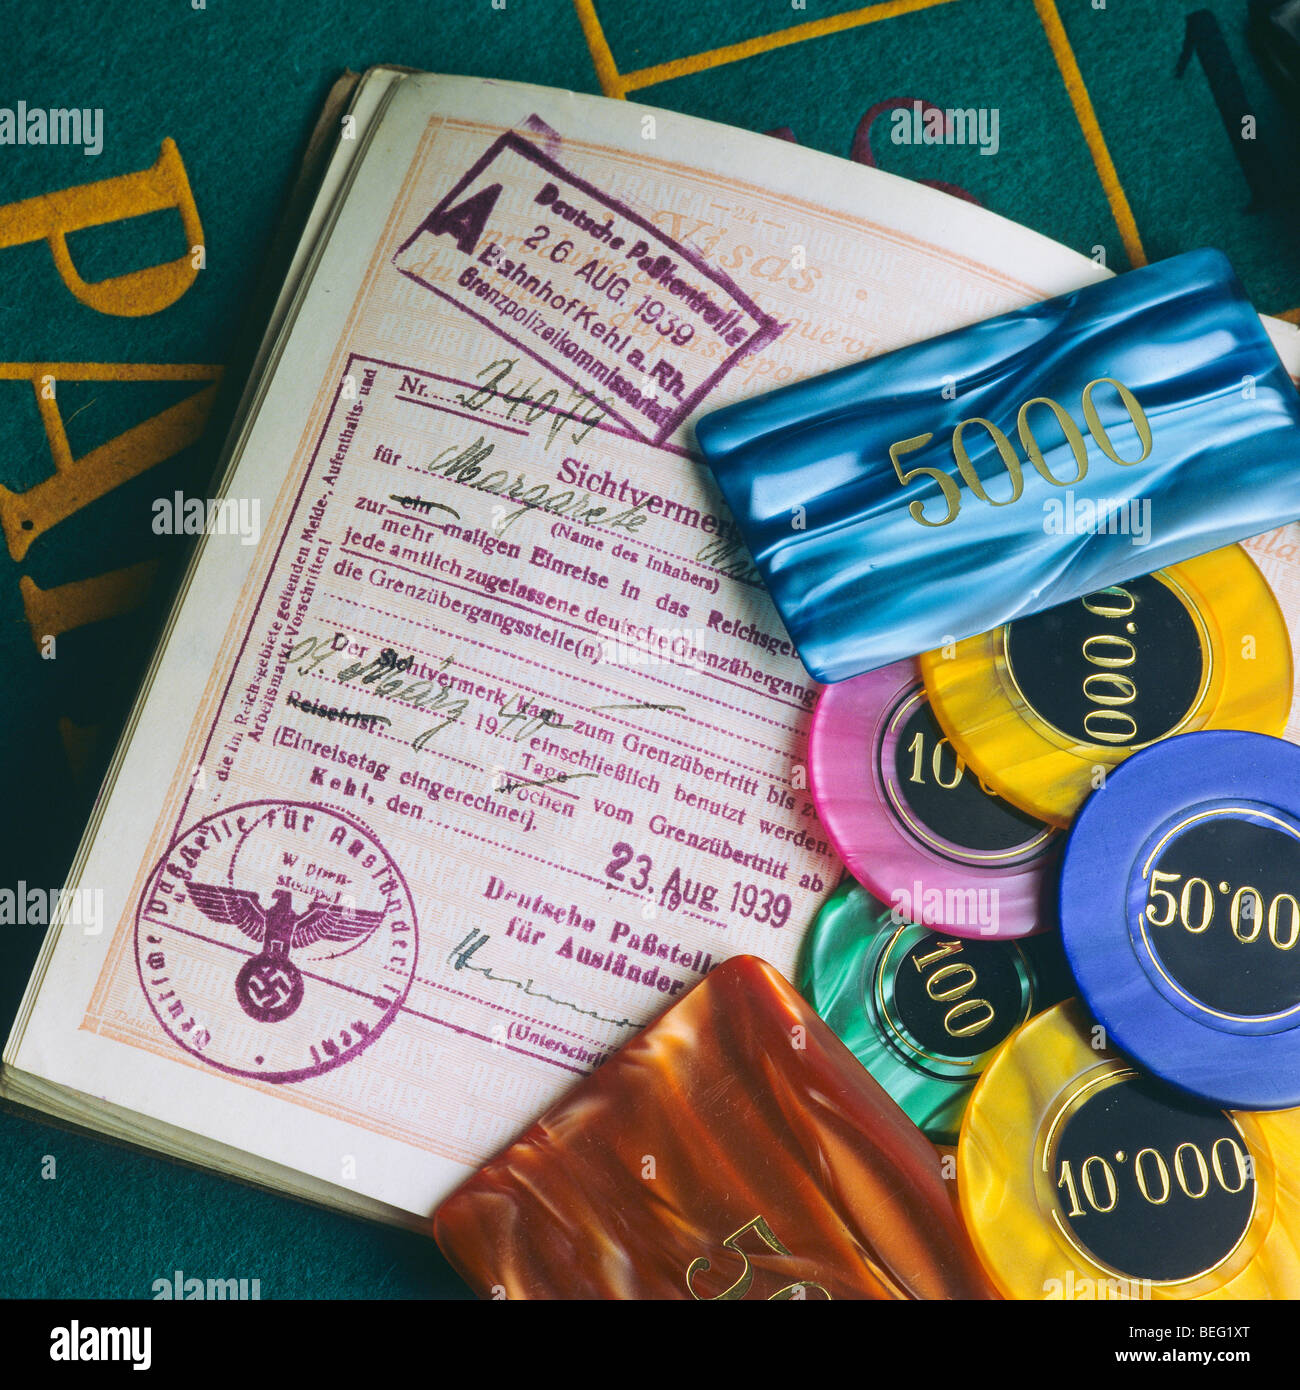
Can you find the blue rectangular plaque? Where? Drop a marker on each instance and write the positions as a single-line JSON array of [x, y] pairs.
[[946, 488]]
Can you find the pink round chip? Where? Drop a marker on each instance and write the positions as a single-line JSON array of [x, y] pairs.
[[912, 823]]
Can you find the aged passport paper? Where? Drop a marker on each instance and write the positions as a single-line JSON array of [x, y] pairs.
[[492, 744]]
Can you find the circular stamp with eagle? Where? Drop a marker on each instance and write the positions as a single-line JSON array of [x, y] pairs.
[[276, 939]]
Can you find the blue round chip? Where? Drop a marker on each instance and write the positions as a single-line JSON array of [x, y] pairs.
[[1180, 914]]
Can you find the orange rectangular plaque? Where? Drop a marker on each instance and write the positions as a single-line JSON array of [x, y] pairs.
[[733, 1149]]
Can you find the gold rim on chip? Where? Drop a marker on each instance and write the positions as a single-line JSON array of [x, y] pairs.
[[1246, 684], [1013, 1211]]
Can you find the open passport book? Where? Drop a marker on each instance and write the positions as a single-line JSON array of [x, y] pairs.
[[492, 744]]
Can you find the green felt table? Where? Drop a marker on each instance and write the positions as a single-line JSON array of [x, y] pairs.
[[1128, 129]]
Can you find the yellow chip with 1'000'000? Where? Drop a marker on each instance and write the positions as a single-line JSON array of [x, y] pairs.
[[1042, 707]]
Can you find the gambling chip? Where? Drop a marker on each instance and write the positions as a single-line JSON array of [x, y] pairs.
[[912, 822], [1180, 915], [1042, 709], [1080, 1177], [923, 1010]]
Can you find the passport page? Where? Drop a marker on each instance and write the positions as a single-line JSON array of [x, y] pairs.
[[485, 744]]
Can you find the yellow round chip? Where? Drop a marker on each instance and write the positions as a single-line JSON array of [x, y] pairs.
[[1081, 1178], [1041, 708]]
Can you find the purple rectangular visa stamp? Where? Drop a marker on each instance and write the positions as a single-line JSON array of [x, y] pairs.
[[586, 286]]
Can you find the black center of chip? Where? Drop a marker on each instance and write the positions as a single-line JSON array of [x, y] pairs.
[[945, 795], [1150, 1186], [1118, 667], [1221, 910], [958, 998]]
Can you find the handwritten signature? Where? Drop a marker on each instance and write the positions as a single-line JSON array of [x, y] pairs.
[[475, 940]]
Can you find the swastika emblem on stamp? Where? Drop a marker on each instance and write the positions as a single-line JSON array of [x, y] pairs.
[[276, 939]]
